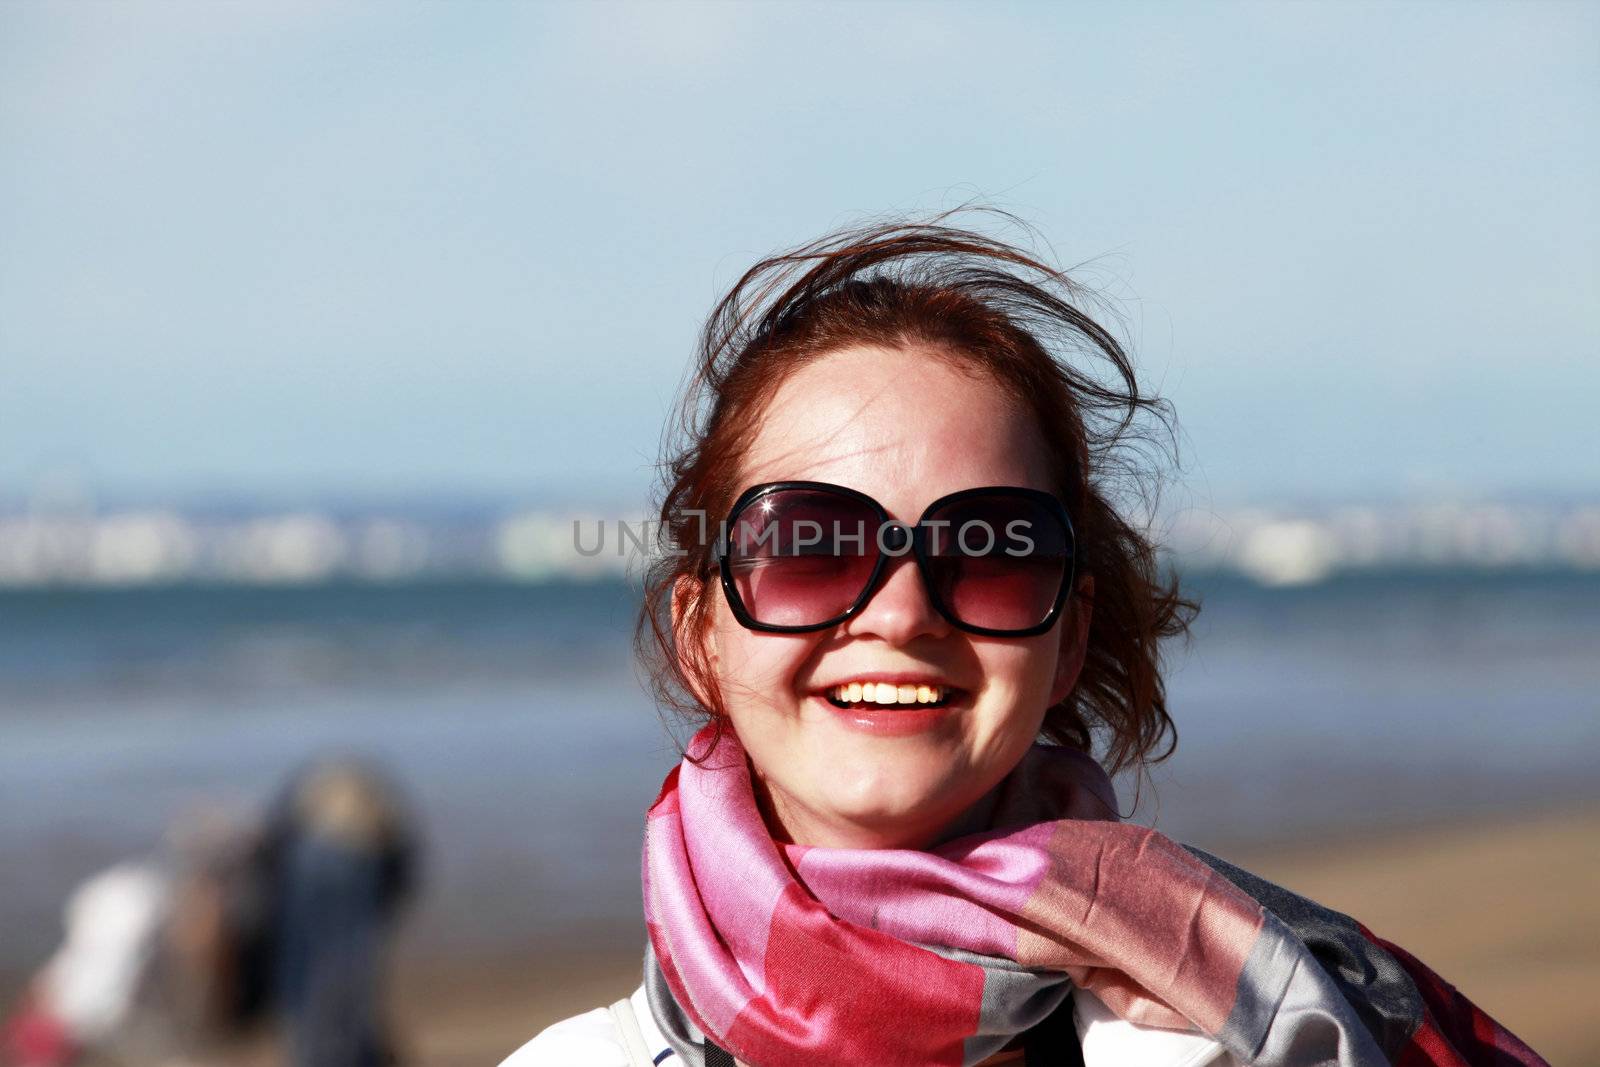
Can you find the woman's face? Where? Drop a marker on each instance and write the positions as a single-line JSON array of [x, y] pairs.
[[904, 427]]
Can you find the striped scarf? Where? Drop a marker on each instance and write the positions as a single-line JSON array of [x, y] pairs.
[[786, 955]]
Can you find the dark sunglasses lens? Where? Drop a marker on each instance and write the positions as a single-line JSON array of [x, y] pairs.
[[1000, 562], [801, 557]]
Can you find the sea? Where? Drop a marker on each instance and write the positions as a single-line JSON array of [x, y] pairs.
[[520, 730]]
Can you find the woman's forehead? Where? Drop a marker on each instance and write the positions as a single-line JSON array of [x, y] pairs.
[[905, 426]]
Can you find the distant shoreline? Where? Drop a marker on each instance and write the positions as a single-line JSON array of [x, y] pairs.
[[1204, 576]]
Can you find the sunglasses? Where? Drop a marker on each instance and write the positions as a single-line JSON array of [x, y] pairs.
[[796, 557]]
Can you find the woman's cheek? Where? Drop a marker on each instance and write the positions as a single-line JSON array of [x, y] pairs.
[[763, 670]]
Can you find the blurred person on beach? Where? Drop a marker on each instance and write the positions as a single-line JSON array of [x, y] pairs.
[[893, 837], [342, 860], [237, 933]]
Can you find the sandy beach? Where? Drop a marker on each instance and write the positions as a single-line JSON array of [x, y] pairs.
[[1508, 910]]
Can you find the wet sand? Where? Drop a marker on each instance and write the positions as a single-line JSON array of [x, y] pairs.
[[1508, 910]]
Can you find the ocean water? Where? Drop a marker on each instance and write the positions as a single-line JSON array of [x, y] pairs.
[[515, 720]]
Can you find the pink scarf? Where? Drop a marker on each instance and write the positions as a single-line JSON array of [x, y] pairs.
[[783, 954]]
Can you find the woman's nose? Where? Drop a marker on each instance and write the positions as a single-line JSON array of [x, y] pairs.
[[900, 609]]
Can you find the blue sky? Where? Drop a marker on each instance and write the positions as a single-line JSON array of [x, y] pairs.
[[404, 248]]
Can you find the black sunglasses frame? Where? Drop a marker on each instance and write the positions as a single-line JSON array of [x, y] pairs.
[[918, 548]]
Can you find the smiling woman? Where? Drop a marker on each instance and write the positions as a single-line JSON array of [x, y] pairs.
[[916, 644]]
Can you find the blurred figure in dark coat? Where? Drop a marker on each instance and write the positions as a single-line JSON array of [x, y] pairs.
[[339, 857]]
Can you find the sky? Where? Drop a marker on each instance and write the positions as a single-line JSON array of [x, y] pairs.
[[407, 249]]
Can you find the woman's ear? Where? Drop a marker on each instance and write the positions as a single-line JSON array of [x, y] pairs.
[[1074, 640], [696, 646]]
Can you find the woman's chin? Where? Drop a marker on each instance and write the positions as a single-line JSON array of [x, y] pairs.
[[888, 806], [840, 786]]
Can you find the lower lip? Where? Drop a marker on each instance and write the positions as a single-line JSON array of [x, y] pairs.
[[897, 721]]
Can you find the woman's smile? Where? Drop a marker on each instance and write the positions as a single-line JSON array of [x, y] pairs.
[[887, 692], [895, 705]]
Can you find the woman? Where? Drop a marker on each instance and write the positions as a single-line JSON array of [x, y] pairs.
[[917, 620]]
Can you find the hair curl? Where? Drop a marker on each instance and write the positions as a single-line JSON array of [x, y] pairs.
[[962, 296]]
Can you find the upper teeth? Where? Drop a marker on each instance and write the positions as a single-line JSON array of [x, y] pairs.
[[884, 693]]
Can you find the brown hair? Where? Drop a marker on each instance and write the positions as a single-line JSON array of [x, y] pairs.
[[979, 301]]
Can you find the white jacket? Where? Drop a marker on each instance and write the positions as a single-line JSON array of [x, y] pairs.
[[625, 1035]]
